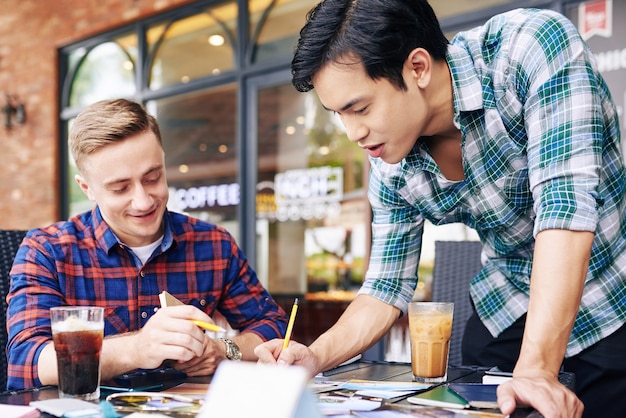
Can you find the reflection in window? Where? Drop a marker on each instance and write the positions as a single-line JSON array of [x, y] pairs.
[[78, 201], [104, 72], [275, 30], [197, 46], [311, 203], [199, 134]]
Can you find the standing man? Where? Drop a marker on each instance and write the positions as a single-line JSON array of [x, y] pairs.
[[122, 254], [510, 129]]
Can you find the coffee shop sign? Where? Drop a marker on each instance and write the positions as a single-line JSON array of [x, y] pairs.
[[205, 196]]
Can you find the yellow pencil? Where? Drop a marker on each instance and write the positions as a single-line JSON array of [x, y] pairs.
[[292, 318], [208, 326]]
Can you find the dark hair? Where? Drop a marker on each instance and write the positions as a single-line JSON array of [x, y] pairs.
[[106, 122], [380, 33]]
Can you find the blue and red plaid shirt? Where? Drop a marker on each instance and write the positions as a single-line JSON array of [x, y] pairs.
[[81, 262]]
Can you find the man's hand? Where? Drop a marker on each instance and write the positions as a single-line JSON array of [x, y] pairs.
[[205, 364], [169, 335], [272, 352], [363, 322], [544, 393], [215, 352]]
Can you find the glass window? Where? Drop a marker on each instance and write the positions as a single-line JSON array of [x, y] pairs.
[[199, 134], [196, 46], [275, 31], [312, 213], [103, 72]]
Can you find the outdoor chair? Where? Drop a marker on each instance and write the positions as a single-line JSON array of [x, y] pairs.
[[10, 241], [456, 263]]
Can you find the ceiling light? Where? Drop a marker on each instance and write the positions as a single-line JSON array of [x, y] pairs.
[[216, 40]]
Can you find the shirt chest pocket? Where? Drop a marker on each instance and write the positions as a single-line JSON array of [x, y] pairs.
[[504, 203]]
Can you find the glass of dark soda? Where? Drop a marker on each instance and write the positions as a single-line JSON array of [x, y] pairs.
[[77, 332]]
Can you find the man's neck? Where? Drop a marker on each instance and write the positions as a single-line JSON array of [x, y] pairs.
[[441, 102]]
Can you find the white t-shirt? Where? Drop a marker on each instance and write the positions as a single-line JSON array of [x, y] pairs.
[[146, 251]]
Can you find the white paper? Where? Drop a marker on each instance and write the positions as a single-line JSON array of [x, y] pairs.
[[59, 407], [242, 389], [18, 411]]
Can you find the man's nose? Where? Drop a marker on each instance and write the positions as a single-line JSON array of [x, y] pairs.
[[142, 199], [355, 131]]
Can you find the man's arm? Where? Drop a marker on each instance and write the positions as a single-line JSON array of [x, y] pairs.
[[244, 302], [115, 359], [560, 264], [363, 323]]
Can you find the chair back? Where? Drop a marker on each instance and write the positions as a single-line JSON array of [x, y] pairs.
[[10, 241], [456, 263]]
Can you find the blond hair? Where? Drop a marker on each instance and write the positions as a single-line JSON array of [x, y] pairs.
[[106, 122]]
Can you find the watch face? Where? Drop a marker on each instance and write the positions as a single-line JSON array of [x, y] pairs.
[[235, 353], [232, 350]]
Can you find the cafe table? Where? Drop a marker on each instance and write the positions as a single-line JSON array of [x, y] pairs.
[[401, 372], [361, 370]]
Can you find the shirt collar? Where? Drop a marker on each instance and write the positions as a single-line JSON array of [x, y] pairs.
[[466, 84], [107, 239]]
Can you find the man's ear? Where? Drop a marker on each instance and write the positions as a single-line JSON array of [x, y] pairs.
[[419, 62], [84, 186]]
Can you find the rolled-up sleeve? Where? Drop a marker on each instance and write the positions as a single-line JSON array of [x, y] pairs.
[[396, 244], [565, 123]]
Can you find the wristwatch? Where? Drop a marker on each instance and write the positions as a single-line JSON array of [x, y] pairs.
[[232, 350]]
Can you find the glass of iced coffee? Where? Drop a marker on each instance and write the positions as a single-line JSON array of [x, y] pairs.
[[430, 327], [77, 332]]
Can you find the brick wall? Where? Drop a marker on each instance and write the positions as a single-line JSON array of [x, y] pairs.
[[31, 31]]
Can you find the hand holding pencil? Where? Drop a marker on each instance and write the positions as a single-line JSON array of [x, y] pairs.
[[168, 300], [275, 351]]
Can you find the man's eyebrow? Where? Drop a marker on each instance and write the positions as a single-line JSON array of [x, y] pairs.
[[345, 107], [154, 169], [116, 181]]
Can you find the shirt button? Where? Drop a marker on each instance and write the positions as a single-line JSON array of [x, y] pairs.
[[476, 191], [142, 274], [144, 315], [156, 308], [202, 302]]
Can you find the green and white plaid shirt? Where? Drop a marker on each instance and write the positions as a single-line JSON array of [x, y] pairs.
[[541, 150]]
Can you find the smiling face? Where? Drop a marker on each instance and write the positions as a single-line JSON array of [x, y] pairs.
[[381, 118], [126, 179]]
